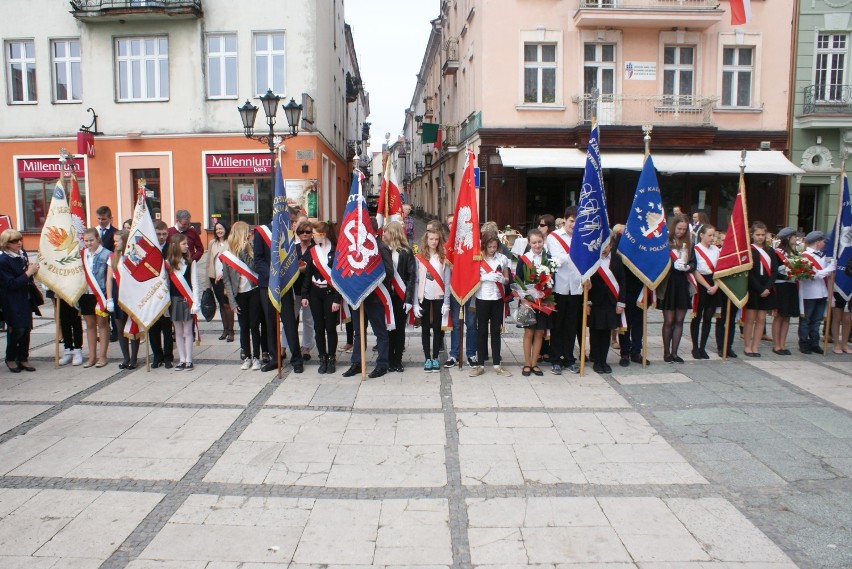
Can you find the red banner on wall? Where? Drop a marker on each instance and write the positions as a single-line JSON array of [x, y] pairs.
[[238, 164], [48, 168]]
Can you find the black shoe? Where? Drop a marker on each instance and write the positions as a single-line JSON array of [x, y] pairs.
[[180, 367], [637, 359], [168, 364], [268, 366], [668, 359], [323, 365], [817, 350], [451, 362], [15, 369], [696, 355], [378, 372], [732, 354], [123, 365], [598, 368], [156, 363], [298, 367], [264, 358], [331, 364], [624, 361], [677, 359], [703, 353], [223, 335], [306, 356], [606, 368], [188, 367], [353, 370], [805, 349]]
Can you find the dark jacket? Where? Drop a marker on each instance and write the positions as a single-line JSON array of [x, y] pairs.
[[262, 258], [15, 298], [312, 272], [407, 269], [759, 280], [108, 238]]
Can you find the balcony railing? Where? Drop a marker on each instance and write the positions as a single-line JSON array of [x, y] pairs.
[[828, 100], [690, 110], [651, 4], [451, 140], [470, 125], [135, 9], [451, 57]]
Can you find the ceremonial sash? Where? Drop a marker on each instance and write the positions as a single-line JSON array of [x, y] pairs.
[[813, 261], [764, 259], [689, 275], [652, 297], [100, 297], [131, 328], [185, 291], [439, 280], [501, 288], [321, 265], [238, 265], [609, 280], [782, 258], [562, 242], [385, 298], [398, 285], [706, 258], [266, 233]]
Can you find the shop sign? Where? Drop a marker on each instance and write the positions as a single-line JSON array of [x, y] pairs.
[[640, 70], [246, 199], [48, 168], [86, 143], [238, 164]]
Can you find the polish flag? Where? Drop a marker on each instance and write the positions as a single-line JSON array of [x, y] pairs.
[[740, 12]]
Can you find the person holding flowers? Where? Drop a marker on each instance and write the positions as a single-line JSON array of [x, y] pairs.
[[814, 293], [534, 285], [791, 268]]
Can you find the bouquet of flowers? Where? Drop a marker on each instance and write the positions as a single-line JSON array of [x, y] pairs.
[[800, 269], [535, 285]]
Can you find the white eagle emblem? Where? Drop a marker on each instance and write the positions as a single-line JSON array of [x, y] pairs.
[[464, 230]]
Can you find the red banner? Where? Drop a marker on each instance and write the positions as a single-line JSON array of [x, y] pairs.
[[48, 168], [238, 163]]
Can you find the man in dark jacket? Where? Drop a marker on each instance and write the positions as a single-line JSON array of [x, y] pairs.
[[193, 239]]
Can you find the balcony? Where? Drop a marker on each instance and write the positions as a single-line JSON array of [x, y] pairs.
[[826, 106], [451, 57], [637, 110], [655, 14], [451, 140], [135, 10], [470, 125]]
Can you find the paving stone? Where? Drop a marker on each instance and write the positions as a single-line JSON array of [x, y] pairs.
[[13, 415]]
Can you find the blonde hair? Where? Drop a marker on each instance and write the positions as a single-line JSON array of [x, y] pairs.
[[394, 236], [174, 253], [118, 254], [9, 235], [238, 239], [424, 244]]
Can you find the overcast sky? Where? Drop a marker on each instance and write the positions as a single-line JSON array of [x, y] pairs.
[[390, 40]]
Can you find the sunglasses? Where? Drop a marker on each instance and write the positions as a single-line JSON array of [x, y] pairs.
[[14, 240], [305, 232], [542, 224]]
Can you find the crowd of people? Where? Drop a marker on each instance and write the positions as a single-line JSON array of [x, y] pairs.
[[418, 276]]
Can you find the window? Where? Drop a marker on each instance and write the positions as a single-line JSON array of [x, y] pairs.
[[539, 73], [678, 74], [153, 199], [37, 194], [20, 69], [269, 68], [67, 84], [240, 197], [830, 67], [737, 73], [599, 81], [222, 66], [143, 68]]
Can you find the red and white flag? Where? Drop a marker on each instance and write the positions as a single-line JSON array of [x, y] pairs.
[[144, 291], [390, 199], [740, 12], [463, 246]]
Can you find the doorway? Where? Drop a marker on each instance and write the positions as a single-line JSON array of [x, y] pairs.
[[808, 204]]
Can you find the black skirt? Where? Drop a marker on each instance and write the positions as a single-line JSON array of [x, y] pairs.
[[846, 305], [87, 304], [757, 302], [787, 299], [677, 292]]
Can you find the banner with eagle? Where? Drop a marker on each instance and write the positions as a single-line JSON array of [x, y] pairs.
[[463, 246]]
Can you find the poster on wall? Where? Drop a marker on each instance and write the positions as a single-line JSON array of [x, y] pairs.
[[5, 223], [302, 195], [246, 199]]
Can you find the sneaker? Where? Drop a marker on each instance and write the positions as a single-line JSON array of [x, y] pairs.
[[471, 361], [574, 368], [255, 364], [427, 367], [180, 367], [556, 369], [77, 357], [188, 367], [476, 371], [66, 358], [246, 364], [499, 370], [451, 362]]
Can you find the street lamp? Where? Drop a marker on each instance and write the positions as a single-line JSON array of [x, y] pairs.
[[269, 101]]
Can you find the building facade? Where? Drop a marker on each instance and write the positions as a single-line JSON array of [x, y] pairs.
[[822, 112], [520, 83], [165, 79]]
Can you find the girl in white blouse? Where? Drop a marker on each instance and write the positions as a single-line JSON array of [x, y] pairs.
[[707, 299], [490, 304]]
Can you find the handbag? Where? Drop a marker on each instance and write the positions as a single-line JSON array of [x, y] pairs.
[[525, 316], [208, 304]]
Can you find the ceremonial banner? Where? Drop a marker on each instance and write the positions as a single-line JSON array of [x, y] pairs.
[[740, 12], [390, 200], [463, 246], [841, 248], [59, 259], [358, 266], [735, 258], [591, 231], [78, 217], [284, 268], [144, 292], [644, 246]]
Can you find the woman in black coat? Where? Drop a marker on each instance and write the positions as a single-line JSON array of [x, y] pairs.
[[16, 274], [606, 302], [320, 295], [402, 295]]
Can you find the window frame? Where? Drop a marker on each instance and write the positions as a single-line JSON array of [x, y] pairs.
[[157, 58], [678, 68], [24, 62], [539, 38], [222, 56], [270, 53], [68, 61], [736, 69], [831, 53]]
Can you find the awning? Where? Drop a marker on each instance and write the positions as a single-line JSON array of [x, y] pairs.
[[708, 161]]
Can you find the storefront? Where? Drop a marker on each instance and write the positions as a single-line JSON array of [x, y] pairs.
[[35, 179]]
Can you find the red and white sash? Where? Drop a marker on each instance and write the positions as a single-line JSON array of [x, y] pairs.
[[238, 265], [400, 289], [609, 280], [501, 288], [185, 291], [565, 245], [131, 328], [710, 265], [384, 296], [689, 275], [652, 297], [94, 288], [266, 233], [439, 279], [765, 261], [321, 265]]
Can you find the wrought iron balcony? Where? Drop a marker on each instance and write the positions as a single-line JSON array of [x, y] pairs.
[[828, 100], [648, 13], [135, 10], [451, 57], [631, 110], [470, 125]]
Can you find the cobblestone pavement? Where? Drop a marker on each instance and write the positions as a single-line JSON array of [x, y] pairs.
[[703, 465]]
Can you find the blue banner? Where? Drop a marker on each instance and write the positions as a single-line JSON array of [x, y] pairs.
[[358, 268], [591, 230], [842, 249], [644, 244], [284, 268]]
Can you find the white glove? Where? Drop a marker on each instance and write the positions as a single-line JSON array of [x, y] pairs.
[[196, 308], [406, 308], [110, 305], [680, 265], [418, 311], [445, 309], [782, 270], [496, 277]]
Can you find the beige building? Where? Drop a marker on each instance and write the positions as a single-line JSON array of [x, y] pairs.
[[520, 82]]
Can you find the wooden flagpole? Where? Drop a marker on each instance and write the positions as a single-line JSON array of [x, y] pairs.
[[583, 331], [58, 332], [830, 300], [148, 350], [727, 330], [647, 129], [278, 340], [461, 335], [363, 345]]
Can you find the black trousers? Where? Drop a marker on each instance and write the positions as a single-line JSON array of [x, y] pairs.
[[699, 328], [720, 325], [160, 336], [430, 325], [17, 344], [396, 337], [71, 325], [325, 321], [288, 322], [566, 325], [249, 319], [489, 319], [375, 315], [599, 345]]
